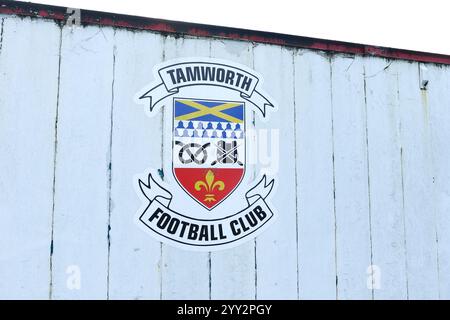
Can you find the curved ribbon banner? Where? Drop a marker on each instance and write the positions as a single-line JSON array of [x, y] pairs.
[[180, 228], [176, 76]]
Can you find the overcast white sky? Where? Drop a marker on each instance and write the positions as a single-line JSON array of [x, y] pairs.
[[416, 25]]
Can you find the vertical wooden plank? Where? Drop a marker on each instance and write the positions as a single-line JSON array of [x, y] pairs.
[[82, 177], [134, 264], [420, 223], [185, 274], [315, 192], [353, 240], [276, 248], [28, 90], [383, 127], [233, 270], [439, 102]]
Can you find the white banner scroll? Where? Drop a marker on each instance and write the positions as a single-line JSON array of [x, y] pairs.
[[207, 234], [173, 77]]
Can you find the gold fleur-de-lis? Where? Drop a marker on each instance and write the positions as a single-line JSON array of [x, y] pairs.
[[210, 184]]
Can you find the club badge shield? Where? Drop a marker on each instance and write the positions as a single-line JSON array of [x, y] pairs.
[[208, 201], [208, 148]]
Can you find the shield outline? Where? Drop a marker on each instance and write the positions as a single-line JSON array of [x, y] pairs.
[[245, 150]]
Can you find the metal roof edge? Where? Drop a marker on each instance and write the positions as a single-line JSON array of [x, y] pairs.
[[89, 17]]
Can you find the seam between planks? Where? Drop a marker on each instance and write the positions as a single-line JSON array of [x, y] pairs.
[[161, 245], [368, 174], [110, 164], [252, 47], [403, 192], [1, 34], [295, 170], [334, 178], [404, 223], [55, 152]]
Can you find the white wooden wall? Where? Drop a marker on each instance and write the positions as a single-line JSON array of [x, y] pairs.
[[364, 177]]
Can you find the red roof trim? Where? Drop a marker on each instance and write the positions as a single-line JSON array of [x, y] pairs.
[[201, 30]]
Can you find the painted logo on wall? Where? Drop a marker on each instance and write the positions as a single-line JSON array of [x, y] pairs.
[[211, 199]]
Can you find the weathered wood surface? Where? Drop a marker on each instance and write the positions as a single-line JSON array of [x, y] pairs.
[[28, 101], [363, 191]]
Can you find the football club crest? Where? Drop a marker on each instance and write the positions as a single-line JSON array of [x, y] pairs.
[[209, 201]]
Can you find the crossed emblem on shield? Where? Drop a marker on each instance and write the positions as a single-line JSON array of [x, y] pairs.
[[208, 146], [226, 153]]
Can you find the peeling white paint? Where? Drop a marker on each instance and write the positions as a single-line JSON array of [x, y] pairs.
[[364, 174]]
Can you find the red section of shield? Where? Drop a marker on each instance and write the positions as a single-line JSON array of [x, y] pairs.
[[209, 186]]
